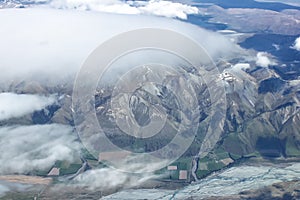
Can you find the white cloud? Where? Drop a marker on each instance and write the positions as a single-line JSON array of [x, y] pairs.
[[52, 44], [36, 147], [263, 59], [152, 7], [168, 9], [17, 105], [297, 44]]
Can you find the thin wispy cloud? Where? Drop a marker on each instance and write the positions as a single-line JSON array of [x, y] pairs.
[[108, 178], [35, 147]]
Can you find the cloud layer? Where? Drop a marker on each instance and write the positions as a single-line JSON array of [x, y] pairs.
[[53, 44], [36, 147], [152, 7], [16, 105]]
